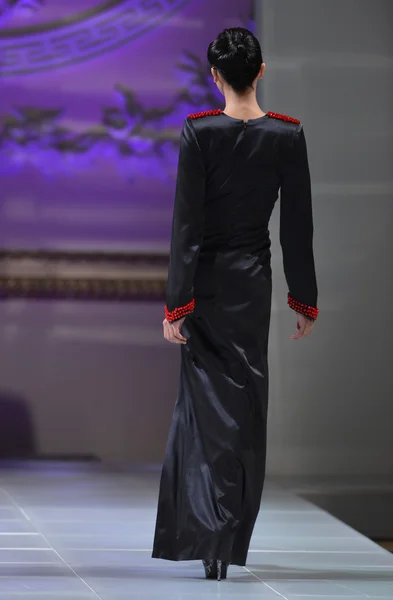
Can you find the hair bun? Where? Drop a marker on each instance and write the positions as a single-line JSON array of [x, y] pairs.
[[237, 55], [241, 52]]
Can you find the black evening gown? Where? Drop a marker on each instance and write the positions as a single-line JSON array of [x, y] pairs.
[[229, 176]]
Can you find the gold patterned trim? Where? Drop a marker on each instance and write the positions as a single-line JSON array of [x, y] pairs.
[[81, 275]]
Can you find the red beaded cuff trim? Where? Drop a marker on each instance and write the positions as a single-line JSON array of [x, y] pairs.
[[205, 113], [179, 313], [304, 309], [274, 115]]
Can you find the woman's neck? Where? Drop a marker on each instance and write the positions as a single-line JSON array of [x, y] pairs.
[[243, 106]]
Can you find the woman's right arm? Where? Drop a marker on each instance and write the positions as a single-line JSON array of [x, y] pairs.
[[296, 226], [187, 226]]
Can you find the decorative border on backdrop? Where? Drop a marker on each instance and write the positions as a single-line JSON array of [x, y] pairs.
[[82, 36], [116, 276]]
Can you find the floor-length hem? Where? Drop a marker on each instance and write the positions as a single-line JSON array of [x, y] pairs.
[[213, 472], [194, 557]]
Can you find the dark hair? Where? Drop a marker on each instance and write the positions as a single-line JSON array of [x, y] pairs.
[[237, 55]]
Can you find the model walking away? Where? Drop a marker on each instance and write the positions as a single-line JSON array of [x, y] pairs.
[[232, 165]]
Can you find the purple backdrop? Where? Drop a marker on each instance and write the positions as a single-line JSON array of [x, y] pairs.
[[93, 95]]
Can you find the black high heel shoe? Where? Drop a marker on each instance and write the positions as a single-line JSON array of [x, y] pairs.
[[215, 569], [222, 569], [210, 569]]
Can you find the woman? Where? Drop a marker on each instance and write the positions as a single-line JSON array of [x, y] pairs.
[[232, 165]]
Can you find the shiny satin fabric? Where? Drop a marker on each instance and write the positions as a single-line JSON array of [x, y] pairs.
[[214, 468]]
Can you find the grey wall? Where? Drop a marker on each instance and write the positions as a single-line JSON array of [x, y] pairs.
[[85, 379], [98, 379], [331, 65]]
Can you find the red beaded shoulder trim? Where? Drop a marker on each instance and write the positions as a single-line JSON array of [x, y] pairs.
[[179, 313], [274, 115], [304, 309], [205, 113]]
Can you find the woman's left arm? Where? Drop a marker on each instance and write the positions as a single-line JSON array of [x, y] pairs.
[[296, 232], [187, 226]]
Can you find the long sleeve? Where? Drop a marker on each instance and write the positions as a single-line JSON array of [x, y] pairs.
[[187, 226], [296, 227]]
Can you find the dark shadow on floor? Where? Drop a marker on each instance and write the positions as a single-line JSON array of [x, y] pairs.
[[17, 438], [18, 441]]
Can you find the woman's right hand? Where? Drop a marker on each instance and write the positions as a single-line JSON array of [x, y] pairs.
[[304, 327], [172, 331]]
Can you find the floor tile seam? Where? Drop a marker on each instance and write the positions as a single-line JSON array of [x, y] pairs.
[[346, 587], [29, 562], [360, 552], [24, 513], [18, 549], [19, 533], [83, 548], [78, 521], [325, 581], [265, 584]]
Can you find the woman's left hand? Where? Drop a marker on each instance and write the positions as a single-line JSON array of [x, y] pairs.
[[172, 331], [304, 327]]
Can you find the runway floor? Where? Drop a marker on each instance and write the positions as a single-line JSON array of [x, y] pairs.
[[79, 532]]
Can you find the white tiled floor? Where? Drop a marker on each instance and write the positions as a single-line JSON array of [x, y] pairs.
[[73, 532]]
